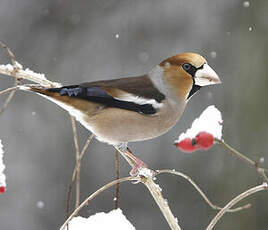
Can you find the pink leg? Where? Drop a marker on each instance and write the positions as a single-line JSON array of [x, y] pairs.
[[138, 163]]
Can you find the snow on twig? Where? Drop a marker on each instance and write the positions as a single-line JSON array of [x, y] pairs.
[[27, 74], [2, 168]]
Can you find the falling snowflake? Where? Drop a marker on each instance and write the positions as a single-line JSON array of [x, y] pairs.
[[213, 54], [40, 204], [246, 4]]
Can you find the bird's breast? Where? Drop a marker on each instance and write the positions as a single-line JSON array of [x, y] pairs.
[[113, 125]]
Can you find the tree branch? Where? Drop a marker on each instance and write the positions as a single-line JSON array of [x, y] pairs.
[[10, 96], [16, 66], [96, 193], [200, 191], [116, 199], [241, 196], [10, 54], [162, 203], [242, 157], [27, 75], [77, 157], [78, 162]]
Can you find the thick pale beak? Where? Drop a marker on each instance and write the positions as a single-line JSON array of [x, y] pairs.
[[206, 76]]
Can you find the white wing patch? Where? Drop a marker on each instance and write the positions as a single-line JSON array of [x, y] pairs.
[[139, 100]]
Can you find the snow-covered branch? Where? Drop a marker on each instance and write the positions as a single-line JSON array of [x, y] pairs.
[[2, 168], [27, 74]]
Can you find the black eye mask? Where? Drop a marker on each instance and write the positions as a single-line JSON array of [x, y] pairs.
[[189, 68]]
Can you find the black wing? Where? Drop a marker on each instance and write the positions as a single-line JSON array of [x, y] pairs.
[[104, 92]]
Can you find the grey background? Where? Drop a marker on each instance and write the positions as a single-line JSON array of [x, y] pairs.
[[75, 41]]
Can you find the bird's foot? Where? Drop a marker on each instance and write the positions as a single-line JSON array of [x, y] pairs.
[[139, 168], [139, 165]]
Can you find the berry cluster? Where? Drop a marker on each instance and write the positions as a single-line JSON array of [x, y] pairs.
[[202, 141]]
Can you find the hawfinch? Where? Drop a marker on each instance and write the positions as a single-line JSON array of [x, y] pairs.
[[135, 108]]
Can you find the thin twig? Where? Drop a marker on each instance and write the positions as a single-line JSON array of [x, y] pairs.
[[82, 154], [74, 174], [117, 177], [16, 66], [241, 156], [9, 90], [75, 137], [86, 146], [262, 171], [9, 53], [200, 191], [241, 196], [78, 174], [10, 96], [15, 88], [96, 193], [236, 153], [77, 197], [69, 199]]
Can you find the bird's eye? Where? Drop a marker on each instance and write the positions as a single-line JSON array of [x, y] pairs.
[[189, 69], [186, 66]]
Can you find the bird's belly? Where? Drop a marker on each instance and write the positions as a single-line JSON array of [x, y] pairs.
[[115, 126]]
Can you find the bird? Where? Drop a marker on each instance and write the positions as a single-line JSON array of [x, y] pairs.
[[133, 109]]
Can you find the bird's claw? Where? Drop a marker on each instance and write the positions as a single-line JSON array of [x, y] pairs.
[[137, 167]]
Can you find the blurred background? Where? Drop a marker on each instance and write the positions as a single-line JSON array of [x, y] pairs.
[[78, 41]]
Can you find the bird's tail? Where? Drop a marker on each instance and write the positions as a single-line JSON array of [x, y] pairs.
[[68, 103], [50, 92]]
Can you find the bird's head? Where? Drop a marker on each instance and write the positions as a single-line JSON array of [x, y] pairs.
[[186, 73]]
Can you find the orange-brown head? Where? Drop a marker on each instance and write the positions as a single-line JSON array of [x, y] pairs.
[[186, 73]]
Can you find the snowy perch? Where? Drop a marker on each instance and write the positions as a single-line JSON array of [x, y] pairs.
[[27, 74], [2, 168]]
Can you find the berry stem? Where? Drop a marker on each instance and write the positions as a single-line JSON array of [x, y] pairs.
[[241, 156]]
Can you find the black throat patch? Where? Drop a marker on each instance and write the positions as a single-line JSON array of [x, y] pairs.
[[194, 89]]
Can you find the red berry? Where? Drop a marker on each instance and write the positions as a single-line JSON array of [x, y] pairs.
[[204, 140], [186, 145], [2, 189]]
